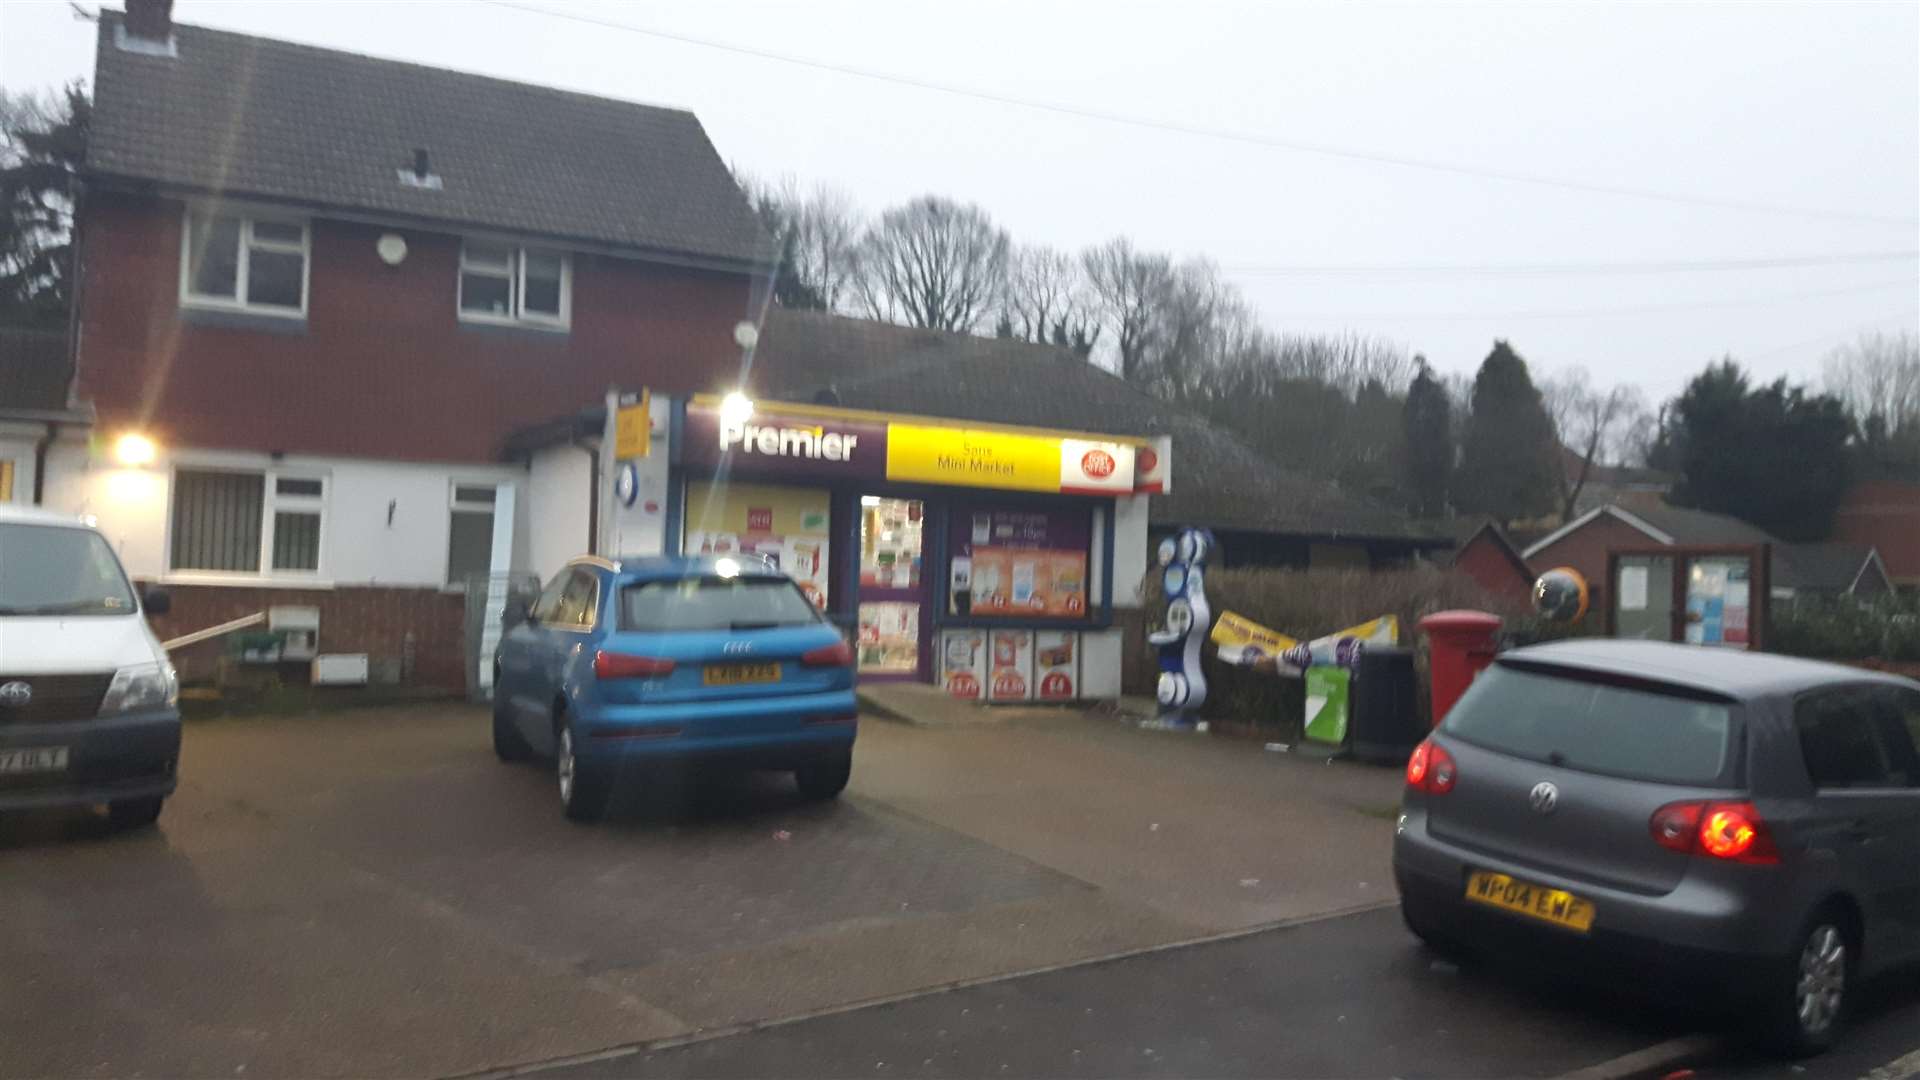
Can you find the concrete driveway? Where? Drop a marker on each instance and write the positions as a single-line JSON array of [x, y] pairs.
[[372, 894]]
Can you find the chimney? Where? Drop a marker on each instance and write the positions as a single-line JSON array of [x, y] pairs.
[[150, 20]]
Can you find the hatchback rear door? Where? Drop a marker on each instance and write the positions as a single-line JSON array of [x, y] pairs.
[[1563, 770]]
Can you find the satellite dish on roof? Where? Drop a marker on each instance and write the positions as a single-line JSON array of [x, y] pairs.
[[392, 248], [745, 334]]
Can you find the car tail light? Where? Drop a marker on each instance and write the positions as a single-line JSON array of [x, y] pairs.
[[1715, 830], [838, 654], [613, 665], [1431, 769]]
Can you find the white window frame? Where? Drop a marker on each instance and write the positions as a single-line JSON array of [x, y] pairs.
[[238, 302], [456, 506], [271, 503], [516, 276]]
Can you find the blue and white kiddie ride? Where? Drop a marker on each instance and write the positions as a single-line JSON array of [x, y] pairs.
[[1183, 688]]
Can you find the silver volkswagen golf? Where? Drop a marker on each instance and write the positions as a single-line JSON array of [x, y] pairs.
[[1741, 828]]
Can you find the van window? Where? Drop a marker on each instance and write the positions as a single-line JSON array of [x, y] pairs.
[[715, 603], [56, 570], [1599, 727]]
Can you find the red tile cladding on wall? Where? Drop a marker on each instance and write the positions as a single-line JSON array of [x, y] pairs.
[[1489, 567], [382, 368]]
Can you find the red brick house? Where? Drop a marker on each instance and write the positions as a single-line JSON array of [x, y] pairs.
[[322, 288], [1886, 515], [1493, 563]]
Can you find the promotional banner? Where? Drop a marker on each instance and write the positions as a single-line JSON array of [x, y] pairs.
[[1019, 563], [1241, 641], [787, 526], [1056, 665], [1010, 676], [963, 663]]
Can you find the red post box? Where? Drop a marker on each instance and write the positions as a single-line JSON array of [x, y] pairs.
[[1459, 646]]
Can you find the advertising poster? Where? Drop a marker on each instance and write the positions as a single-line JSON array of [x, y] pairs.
[[963, 663], [1056, 665], [1020, 563], [1736, 610], [1010, 677], [787, 526], [1706, 603], [1327, 704]]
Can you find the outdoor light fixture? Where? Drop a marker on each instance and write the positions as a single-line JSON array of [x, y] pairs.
[[736, 408], [134, 448], [727, 568]]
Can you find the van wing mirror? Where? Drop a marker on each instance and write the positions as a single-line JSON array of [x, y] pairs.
[[517, 611], [156, 600]]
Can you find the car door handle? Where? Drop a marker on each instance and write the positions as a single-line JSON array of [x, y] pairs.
[[1860, 832]]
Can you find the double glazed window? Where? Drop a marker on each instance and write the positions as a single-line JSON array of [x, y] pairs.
[[470, 533], [246, 522], [508, 284], [245, 263]]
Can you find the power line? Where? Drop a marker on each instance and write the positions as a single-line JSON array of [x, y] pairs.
[[1228, 134], [1644, 309], [1592, 268]]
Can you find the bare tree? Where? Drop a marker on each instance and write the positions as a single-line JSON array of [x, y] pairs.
[[932, 262], [1047, 300], [1878, 376], [1590, 424], [815, 233], [1129, 287]]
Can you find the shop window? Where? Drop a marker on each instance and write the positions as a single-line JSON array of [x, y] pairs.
[[470, 533], [890, 535], [788, 527], [1014, 563], [245, 522], [245, 264]]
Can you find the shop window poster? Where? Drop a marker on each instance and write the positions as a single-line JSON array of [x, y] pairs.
[[1011, 676], [786, 526], [1056, 665], [1019, 563], [963, 663]]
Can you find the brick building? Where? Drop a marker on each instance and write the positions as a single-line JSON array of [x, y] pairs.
[[317, 290]]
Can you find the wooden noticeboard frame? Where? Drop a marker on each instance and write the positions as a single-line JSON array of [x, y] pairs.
[[1760, 577]]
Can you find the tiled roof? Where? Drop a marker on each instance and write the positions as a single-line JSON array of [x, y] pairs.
[[1821, 567], [1218, 481], [34, 371], [255, 117]]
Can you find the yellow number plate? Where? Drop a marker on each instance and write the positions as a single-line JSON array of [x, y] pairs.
[[739, 674], [1534, 901]]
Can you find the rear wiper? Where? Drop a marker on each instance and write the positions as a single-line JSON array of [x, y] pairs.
[[1556, 759], [752, 625]]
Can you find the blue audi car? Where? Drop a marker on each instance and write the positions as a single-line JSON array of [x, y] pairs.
[[621, 665]]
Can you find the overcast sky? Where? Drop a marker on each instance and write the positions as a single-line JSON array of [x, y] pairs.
[[1813, 106]]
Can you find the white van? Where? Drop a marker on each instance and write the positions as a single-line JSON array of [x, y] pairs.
[[89, 705]]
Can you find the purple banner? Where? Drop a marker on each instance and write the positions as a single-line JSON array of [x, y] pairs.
[[773, 444]]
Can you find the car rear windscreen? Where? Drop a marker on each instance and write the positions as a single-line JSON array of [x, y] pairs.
[[714, 603], [1596, 727]]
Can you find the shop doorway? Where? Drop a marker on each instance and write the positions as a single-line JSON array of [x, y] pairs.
[[893, 587]]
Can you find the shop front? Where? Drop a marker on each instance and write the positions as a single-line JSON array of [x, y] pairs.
[[977, 556]]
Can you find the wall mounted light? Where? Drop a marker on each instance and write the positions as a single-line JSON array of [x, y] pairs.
[[135, 449], [736, 408]]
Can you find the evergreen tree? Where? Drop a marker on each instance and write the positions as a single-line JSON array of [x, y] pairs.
[[1508, 458], [1427, 443], [1774, 455], [41, 149]]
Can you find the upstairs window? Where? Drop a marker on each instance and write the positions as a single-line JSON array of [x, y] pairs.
[[507, 284], [244, 264]]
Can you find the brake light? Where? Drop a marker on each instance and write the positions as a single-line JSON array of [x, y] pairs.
[[838, 654], [613, 665], [1431, 769], [1716, 830]]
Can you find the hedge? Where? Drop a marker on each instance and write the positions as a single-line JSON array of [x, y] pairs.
[[1845, 628]]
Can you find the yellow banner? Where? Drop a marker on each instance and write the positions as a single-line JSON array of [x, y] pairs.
[[1238, 632], [963, 458], [633, 429]]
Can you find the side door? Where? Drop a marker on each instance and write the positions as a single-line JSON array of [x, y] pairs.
[[521, 649], [567, 632], [1863, 803]]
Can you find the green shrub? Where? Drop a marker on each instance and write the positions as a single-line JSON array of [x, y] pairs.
[[1843, 628]]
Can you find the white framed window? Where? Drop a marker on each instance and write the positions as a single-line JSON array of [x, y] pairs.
[[470, 532], [505, 283], [246, 522], [236, 262]]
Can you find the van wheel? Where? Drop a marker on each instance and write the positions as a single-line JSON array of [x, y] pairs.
[[826, 779], [583, 789], [508, 745], [1807, 996], [128, 814]]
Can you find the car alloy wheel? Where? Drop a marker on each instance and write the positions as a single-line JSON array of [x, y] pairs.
[[565, 766], [1822, 986]]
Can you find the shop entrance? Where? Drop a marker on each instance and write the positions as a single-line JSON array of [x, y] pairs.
[[893, 589]]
